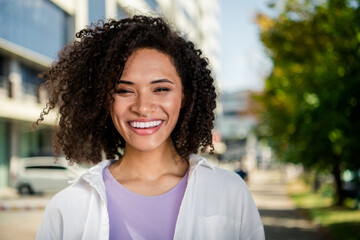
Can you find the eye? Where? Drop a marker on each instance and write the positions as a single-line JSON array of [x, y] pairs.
[[162, 89], [123, 91]]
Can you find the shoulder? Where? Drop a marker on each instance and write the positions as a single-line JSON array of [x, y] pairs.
[[77, 195], [72, 209], [226, 175], [60, 212], [224, 181], [212, 176], [220, 185], [74, 196], [217, 191]]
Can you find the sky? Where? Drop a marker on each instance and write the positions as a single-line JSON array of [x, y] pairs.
[[244, 63]]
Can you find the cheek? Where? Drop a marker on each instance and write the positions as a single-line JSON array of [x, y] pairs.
[[173, 105], [116, 114], [117, 108]]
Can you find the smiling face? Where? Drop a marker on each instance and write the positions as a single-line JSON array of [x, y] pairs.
[[147, 101]]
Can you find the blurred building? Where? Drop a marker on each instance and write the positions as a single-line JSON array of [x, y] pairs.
[[236, 120], [235, 124], [31, 34]]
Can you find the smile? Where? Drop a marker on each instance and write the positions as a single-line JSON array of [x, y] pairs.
[[144, 125]]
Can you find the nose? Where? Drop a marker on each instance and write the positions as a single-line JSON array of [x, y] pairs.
[[143, 105]]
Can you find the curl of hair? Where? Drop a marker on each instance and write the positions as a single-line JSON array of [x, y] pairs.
[[86, 74]]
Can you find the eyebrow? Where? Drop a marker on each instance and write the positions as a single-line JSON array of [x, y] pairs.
[[161, 81], [152, 82], [125, 82]]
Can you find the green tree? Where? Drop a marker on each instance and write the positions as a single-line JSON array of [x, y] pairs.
[[312, 97]]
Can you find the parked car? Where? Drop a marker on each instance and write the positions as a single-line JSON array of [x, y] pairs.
[[44, 174]]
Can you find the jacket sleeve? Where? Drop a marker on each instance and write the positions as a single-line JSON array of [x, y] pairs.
[[251, 224], [51, 227], [257, 233]]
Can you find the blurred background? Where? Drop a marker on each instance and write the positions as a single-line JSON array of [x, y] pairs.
[[288, 117]]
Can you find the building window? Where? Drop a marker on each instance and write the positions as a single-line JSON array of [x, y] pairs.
[[38, 25], [96, 10], [2, 65], [2, 74], [231, 114], [30, 81], [153, 4]]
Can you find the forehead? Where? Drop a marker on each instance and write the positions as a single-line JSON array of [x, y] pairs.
[[148, 59], [148, 52], [147, 65]]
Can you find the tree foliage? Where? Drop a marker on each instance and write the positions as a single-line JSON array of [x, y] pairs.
[[312, 97]]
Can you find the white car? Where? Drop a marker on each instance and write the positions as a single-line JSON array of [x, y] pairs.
[[44, 174]]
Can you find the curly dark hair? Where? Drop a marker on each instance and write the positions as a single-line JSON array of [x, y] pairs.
[[86, 74]]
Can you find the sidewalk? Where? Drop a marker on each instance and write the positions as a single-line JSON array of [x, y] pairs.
[[10, 200], [20, 216], [280, 218]]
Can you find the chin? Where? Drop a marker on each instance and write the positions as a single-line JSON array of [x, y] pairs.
[[144, 147]]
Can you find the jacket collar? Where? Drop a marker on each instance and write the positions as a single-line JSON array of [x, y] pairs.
[[196, 160], [95, 178], [94, 175]]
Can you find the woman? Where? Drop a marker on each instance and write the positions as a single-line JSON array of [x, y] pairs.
[[138, 92]]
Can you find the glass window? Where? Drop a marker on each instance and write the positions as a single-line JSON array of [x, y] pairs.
[[2, 63], [2, 77], [153, 4], [30, 80], [96, 10], [38, 25], [231, 114]]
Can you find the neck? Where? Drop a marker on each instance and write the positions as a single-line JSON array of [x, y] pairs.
[[151, 164]]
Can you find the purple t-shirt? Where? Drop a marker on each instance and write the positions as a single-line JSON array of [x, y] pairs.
[[133, 216]]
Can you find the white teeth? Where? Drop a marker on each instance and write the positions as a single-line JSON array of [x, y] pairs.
[[145, 124]]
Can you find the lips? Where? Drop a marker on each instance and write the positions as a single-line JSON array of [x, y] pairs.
[[145, 125]]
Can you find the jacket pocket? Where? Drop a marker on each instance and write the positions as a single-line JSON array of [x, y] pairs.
[[217, 227]]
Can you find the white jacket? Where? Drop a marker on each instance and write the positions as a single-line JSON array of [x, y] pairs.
[[216, 205]]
